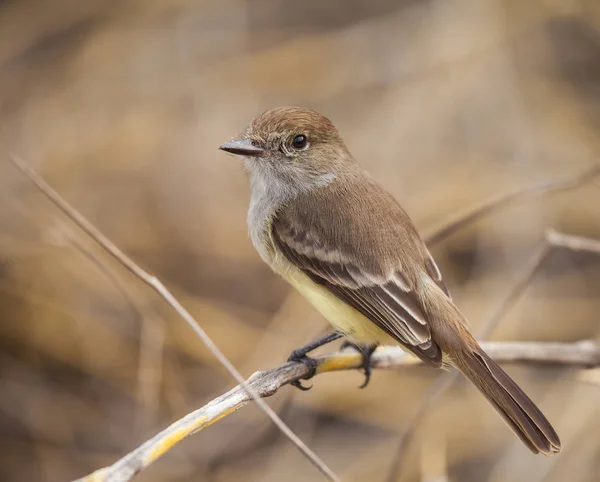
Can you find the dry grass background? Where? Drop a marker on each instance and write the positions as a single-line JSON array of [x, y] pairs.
[[121, 105]]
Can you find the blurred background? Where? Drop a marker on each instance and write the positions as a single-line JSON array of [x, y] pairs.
[[121, 105]]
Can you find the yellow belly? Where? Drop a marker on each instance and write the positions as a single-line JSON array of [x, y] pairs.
[[342, 316]]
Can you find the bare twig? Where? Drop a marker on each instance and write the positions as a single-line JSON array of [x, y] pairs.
[[583, 354], [571, 242], [157, 286], [465, 218]]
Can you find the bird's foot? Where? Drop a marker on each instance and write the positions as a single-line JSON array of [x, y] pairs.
[[366, 351], [300, 356]]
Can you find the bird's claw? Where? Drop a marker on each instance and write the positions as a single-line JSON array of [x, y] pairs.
[[366, 351], [299, 386], [367, 372], [301, 357]]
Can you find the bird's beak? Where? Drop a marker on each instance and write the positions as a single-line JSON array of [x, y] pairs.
[[243, 147]]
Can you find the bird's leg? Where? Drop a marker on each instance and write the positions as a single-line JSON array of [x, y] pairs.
[[299, 356], [366, 350]]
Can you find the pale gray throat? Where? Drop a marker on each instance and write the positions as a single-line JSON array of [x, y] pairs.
[[269, 190], [266, 196]]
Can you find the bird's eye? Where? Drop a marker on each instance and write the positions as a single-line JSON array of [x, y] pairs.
[[300, 142]]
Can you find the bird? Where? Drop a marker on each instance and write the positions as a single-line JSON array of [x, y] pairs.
[[320, 221]]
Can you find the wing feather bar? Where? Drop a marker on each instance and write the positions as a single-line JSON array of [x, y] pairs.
[[389, 304]]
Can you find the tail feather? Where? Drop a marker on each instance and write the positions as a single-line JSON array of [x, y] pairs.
[[515, 407]]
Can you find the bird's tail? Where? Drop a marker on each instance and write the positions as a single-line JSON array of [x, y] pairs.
[[516, 408]]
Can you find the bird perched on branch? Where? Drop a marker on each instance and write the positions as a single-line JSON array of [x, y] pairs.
[[338, 237]]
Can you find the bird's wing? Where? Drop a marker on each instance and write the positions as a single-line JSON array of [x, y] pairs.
[[383, 294]]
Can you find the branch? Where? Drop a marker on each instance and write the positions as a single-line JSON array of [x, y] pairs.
[[583, 354], [467, 217], [571, 242], [154, 283]]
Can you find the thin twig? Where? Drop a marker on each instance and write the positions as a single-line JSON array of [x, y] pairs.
[[157, 286], [438, 234], [573, 243], [583, 354]]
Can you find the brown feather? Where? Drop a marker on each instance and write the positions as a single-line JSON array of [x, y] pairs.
[[515, 407]]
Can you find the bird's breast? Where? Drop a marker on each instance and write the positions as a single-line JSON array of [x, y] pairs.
[[342, 316]]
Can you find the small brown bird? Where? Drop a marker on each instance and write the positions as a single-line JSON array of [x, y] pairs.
[[320, 221]]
